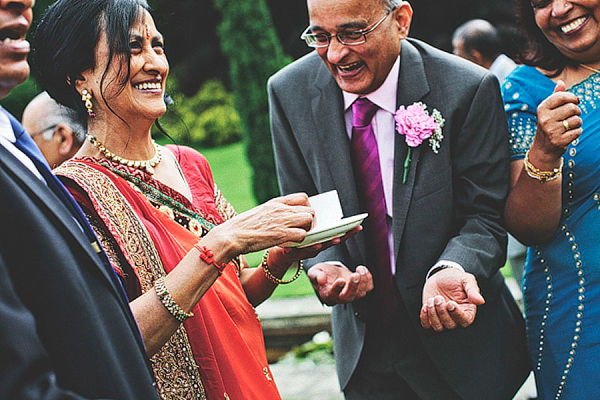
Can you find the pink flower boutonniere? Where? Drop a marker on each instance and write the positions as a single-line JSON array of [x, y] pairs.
[[415, 123]]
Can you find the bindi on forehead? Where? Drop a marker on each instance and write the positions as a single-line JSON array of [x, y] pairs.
[[147, 30]]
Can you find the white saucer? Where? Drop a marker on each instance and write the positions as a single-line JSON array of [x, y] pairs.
[[329, 232]]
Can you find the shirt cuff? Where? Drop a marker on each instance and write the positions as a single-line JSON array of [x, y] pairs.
[[338, 263], [443, 264]]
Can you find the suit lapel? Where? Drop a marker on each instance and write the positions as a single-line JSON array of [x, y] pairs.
[[412, 87], [53, 204], [327, 106]]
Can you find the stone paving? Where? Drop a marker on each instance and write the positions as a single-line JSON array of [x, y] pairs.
[[308, 381]]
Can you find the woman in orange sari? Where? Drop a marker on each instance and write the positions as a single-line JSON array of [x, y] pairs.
[[172, 237]]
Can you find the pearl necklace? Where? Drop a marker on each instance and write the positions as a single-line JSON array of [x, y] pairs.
[[147, 165]]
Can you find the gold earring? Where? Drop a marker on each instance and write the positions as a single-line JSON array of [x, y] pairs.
[[86, 97]]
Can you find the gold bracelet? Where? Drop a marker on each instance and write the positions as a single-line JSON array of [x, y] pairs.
[[165, 297], [272, 277], [542, 176]]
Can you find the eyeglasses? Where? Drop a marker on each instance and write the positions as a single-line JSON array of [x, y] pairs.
[[46, 133], [348, 38]]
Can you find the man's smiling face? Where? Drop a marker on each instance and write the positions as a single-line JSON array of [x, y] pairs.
[[361, 68], [15, 19]]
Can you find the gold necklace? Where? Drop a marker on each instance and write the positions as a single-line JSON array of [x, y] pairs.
[[147, 165], [596, 70]]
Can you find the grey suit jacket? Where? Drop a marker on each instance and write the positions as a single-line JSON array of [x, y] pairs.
[[448, 209], [66, 329]]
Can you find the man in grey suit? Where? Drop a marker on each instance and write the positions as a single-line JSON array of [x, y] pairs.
[[66, 329], [446, 327]]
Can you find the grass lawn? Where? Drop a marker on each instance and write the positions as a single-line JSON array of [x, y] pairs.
[[233, 176]]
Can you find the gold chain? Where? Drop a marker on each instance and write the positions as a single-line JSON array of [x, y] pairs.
[[596, 70], [147, 165]]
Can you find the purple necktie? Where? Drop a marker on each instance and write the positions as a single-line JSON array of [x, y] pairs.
[[370, 192]]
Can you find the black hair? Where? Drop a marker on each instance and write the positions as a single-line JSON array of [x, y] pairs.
[[539, 52], [66, 39]]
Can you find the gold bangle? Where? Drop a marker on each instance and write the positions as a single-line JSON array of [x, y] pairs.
[[542, 176], [165, 297], [272, 277]]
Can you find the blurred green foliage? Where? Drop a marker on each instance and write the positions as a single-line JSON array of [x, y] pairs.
[[207, 119], [249, 41], [18, 98]]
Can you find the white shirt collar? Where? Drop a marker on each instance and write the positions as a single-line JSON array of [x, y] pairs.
[[8, 138], [384, 96], [6, 130]]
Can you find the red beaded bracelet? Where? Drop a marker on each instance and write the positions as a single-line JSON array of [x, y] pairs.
[[207, 255]]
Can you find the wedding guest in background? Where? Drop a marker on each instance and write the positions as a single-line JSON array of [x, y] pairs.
[[173, 239], [477, 40], [351, 116], [66, 329], [553, 205], [55, 129]]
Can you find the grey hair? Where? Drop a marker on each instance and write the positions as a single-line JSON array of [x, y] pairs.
[[391, 4], [56, 114], [69, 117]]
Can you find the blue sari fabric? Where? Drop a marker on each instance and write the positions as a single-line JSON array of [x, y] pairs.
[[562, 278]]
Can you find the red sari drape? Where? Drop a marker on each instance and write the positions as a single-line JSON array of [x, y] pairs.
[[223, 343]]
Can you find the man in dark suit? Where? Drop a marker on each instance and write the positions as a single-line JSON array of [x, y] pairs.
[[440, 323], [66, 330]]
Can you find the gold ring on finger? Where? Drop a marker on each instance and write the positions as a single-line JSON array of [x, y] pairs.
[[566, 125]]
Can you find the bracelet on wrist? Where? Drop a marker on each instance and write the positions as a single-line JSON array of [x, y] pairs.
[[272, 277], [542, 176], [207, 255], [167, 300]]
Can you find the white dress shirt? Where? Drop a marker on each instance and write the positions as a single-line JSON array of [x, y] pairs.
[[7, 139], [384, 128]]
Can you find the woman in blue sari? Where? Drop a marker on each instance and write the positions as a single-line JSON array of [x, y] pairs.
[[552, 104]]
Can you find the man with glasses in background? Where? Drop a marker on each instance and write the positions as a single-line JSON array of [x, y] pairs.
[[55, 129], [417, 138]]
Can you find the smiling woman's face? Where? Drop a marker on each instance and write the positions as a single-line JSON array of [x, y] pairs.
[[142, 96], [573, 26]]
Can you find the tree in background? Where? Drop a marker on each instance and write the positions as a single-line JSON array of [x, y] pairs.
[[249, 41]]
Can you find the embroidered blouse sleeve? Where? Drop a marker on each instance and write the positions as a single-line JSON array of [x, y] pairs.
[[520, 111], [224, 207]]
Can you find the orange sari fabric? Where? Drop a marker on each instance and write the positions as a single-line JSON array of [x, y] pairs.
[[225, 335]]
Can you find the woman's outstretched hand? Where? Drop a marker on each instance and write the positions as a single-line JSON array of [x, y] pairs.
[[280, 220]]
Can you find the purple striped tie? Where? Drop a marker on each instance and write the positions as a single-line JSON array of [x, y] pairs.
[[370, 191]]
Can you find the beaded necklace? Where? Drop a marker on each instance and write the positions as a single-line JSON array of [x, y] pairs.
[[147, 165]]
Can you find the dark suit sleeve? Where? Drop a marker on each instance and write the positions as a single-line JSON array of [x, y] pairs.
[[292, 171], [480, 168], [25, 370]]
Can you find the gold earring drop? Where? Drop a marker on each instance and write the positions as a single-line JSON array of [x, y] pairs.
[[86, 97]]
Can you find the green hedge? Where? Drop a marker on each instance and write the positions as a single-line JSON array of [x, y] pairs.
[[249, 40], [207, 119]]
